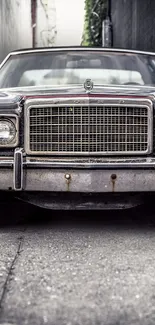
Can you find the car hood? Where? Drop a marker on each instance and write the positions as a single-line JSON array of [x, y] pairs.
[[14, 95]]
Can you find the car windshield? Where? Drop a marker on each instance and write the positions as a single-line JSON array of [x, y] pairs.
[[47, 68]]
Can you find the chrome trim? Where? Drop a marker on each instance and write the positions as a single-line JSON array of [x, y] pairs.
[[88, 85], [5, 60], [78, 163], [86, 101], [11, 116], [94, 163], [80, 48], [97, 89], [6, 162], [106, 164], [18, 169]]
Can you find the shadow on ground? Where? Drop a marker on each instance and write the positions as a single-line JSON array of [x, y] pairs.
[[22, 214]]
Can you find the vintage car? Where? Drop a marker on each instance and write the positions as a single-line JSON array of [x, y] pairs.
[[77, 127]]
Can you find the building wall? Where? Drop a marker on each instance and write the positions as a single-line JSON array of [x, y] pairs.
[[15, 25], [59, 22], [133, 24]]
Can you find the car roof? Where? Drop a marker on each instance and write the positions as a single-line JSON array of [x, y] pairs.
[[77, 48]]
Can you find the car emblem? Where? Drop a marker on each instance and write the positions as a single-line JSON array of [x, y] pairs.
[[88, 85]]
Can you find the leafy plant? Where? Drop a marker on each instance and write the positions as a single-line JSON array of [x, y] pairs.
[[95, 13]]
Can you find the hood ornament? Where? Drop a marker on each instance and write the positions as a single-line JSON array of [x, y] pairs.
[[88, 85]]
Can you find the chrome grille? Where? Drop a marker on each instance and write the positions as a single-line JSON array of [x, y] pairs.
[[88, 130]]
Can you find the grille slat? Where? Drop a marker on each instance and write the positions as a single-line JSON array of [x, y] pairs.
[[83, 129]]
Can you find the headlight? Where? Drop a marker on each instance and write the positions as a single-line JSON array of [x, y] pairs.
[[7, 132]]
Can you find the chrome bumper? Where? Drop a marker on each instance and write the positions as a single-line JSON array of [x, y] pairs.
[[88, 175]]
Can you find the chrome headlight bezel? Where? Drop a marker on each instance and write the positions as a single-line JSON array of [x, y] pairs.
[[12, 118]]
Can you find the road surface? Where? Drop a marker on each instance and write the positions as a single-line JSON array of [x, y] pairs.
[[73, 272]]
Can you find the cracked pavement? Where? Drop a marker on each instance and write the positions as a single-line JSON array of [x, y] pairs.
[[78, 272]]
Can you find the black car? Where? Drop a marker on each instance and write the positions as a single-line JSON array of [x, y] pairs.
[[77, 126]]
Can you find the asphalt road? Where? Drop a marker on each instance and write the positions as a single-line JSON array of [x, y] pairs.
[[92, 272]]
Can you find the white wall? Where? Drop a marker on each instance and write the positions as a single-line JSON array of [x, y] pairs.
[[59, 22], [70, 21], [15, 25]]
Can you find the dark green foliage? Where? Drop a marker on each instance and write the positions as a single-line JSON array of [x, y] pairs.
[[87, 35], [95, 13]]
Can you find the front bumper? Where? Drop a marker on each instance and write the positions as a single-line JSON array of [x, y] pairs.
[[88, 175]]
